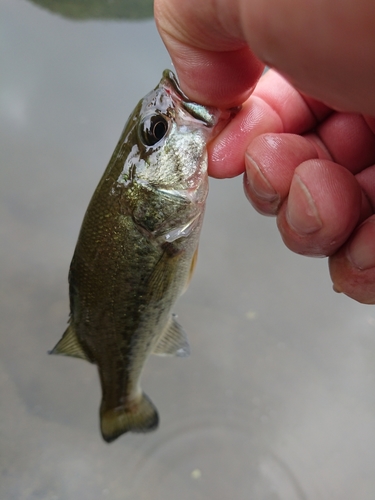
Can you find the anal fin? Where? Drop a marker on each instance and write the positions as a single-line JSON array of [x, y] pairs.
[[69, 345], [173, 341]]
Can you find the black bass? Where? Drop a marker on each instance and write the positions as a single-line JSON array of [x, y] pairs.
[[136, 251]]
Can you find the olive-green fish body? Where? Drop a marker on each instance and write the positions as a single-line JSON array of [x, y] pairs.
[[137, 249]]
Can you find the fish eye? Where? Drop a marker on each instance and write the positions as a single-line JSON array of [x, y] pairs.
[[153, 129]]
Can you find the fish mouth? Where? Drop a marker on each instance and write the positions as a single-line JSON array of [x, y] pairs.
[[170, 80], [209, 115]]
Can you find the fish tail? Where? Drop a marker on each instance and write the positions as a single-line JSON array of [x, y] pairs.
[[141, 416]]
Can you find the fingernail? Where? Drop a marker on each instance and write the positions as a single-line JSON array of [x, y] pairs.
[[361, 250], [302, 214], [258, 182]]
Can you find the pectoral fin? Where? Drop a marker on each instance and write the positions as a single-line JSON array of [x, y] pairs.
[[192, 269], [69, 345], [173, 341], [164, 272]]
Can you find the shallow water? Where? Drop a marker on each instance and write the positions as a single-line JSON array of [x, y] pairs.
[[277, 399]]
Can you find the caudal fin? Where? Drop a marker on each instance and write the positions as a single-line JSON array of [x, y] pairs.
[[141, 417]]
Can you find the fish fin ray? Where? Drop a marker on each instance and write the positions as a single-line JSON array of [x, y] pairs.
[[143, 417], [69, 345], [163, 274], [192, 269], [173, 341]]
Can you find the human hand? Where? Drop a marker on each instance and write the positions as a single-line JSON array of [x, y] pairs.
[[305, 162]]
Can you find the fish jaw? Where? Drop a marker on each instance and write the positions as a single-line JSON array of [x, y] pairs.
[[215, 119]]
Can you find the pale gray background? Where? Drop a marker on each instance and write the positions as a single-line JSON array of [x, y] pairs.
[[276, 401]]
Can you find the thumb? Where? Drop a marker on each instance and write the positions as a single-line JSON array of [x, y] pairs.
[[326, 49], [214, 63]]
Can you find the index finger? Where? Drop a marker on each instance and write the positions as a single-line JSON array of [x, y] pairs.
[[274, 107]]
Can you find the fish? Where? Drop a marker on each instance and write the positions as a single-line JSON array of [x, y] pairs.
[[137, 249]]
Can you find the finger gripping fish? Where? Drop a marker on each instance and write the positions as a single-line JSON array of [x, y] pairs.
[[137, 249]]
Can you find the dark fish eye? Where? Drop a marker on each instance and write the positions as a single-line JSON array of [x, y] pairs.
[[153, 129]]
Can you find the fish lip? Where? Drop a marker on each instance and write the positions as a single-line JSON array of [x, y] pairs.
[[170, 80], [198, 111], [209, 115]]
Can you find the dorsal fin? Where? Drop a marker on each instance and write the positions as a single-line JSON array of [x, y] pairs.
[[69, 345], [173, 341]]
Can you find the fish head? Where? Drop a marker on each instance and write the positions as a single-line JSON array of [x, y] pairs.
[[165, 166], [169, 138]]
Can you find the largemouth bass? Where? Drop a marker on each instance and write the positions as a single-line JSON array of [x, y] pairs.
[[136, 251]]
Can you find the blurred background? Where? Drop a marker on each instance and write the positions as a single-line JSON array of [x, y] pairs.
[[276, 401]]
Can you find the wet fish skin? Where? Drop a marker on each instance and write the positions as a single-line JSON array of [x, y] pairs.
[[137, 249]]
